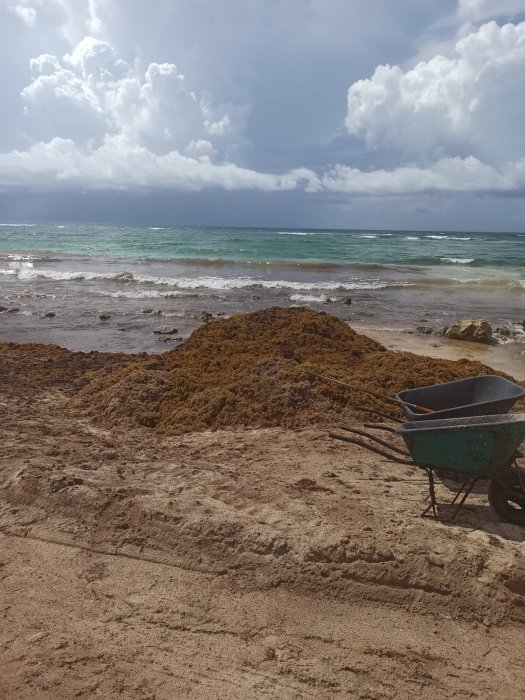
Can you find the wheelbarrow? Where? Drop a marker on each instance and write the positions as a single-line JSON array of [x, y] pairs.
[[475, 396], [475, 447]]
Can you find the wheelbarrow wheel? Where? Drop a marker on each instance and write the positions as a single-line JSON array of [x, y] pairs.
[[507, 496]]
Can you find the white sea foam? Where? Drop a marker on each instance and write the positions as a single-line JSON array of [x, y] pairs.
[[156, 228], [18, 225], [412, 238], [128, 282], [437, 237], [458, 261], [368, 235], [497, 281], [27, 273], [21, 258], [139, 294], [297, 233], [307, 298]]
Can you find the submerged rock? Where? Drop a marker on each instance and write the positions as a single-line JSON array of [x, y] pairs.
[[478, 331], [165, 330]]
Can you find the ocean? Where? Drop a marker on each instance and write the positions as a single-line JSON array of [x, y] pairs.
[[143, 277]]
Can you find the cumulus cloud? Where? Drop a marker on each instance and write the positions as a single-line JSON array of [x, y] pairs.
[[25, 13], [90, 93], [472, 104], [121, 163], [118, 109], [446, 175], [99, 122]]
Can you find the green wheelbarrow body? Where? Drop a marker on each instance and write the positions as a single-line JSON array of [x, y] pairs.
[[480, 446]]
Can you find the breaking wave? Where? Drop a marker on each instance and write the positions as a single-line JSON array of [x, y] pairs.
[[458, 261]]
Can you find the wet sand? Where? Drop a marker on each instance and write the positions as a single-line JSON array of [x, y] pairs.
[[508, 357]]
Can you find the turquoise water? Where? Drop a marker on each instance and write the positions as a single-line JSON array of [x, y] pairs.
[[497, 250], [394, 279]]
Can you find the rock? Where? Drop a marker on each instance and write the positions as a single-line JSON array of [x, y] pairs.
[[206, 316], [105, 317], [49, 314], [165, 330], [347, 301], [14, 310], [424, 329], [502, 330], [147, 311], [3, 308], [478, 331], [255, 297]]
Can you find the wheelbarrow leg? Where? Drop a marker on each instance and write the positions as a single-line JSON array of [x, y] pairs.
[[465, 495], [460, 490], [432, 493]]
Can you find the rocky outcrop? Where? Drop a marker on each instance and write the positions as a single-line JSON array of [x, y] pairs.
[[478, 331]]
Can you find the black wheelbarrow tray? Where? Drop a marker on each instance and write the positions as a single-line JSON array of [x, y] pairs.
[[475, 396], [476, 447]]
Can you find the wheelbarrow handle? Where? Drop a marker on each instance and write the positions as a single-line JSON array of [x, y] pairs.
[[390, 446], [372, 448], [415, 406], [423, 409]]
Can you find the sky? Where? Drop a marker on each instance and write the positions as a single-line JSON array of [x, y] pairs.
[[388, 114]]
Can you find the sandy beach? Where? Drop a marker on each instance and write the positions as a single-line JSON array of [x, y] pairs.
[[509, 358], [232, 234], [180, 525]]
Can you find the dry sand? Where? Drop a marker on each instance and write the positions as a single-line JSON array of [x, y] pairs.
[[264, 563]]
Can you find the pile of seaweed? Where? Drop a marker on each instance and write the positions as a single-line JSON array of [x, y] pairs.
[[263, 369], [32, 366]]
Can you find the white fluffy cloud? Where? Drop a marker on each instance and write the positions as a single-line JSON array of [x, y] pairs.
[[99, 122], [120, 163], [90, 93], [446, 175], [26, 14], [473, 104], [126, 106]]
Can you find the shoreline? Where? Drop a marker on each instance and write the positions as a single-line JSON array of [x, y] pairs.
[[504, 357]]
